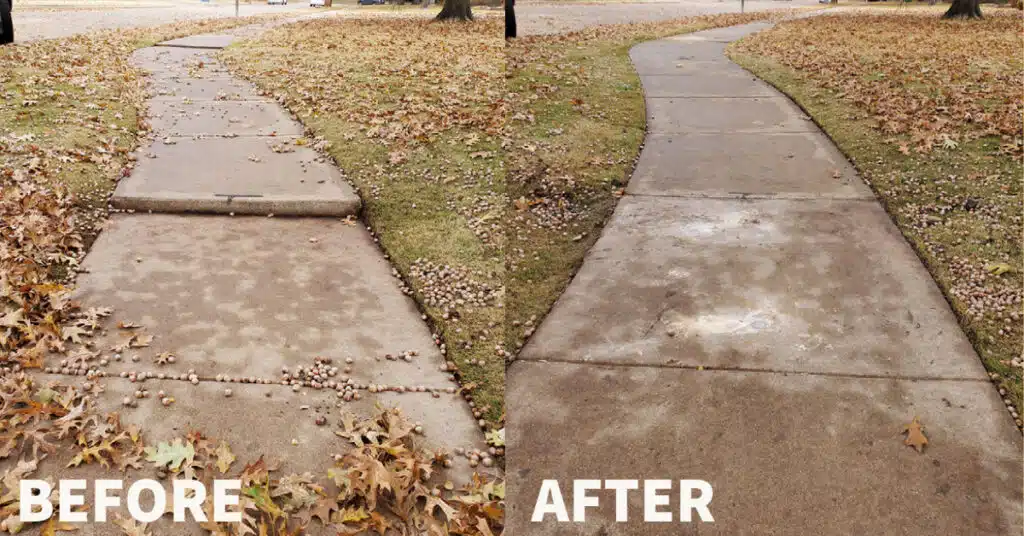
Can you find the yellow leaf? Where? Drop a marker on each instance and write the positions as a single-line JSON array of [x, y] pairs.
[[998, 268], [51, 527], [224, 457]]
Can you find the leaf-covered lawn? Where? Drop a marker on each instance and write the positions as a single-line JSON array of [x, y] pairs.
[[412, 111], [69, 112], [575, 131], [930, 112]]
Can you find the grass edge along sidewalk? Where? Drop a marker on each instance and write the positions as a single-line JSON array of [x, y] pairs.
[[413, 122]]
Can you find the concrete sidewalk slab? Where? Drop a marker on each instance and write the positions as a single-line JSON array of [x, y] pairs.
[[669, 57], [202, 41], [809, 286], [741, 115], [240, 175], [725, 34], [788, 455], [187, 88], [181, 61], [713, 165], [223, 117], [727, 83], [245, 296]]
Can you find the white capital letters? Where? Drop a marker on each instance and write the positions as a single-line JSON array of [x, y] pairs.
[[69, 499], [549, 501], [193, 504], [27, 499], [580, 499], [621, 488], [221, 500], [652, 501], [687, 502], [159, 500], [104, 500]]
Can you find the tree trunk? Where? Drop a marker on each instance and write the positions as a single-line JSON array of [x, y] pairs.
[[455, 10], [510, 19], [970, 9]]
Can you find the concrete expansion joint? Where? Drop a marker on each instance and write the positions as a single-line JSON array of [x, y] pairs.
[[749, 370], [224, 378], [193, 47], [740, 196], [720, 97], [229, 135], [175, 99], [763, 132]]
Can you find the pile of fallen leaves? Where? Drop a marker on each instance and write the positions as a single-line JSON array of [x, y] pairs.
[[39, 422], [938, 82], [37, 237], [384, 477], [385, 480]]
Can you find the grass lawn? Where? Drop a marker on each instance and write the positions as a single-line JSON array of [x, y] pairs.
[[412, 111], [930, 113], [575, 131]]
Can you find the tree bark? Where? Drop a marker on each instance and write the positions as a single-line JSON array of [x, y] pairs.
[[970, 9], [455, 10]]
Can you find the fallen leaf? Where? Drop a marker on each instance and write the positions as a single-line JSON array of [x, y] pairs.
[[915, 435]]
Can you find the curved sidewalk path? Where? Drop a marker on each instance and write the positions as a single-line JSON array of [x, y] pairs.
[[751, 317], [244, 296]]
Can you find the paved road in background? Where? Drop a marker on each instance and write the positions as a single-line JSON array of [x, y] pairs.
[[541, 18], [49, 24], [545, 18]]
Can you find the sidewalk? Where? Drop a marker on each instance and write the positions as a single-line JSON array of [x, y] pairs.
[[751, 317], [242, 297]]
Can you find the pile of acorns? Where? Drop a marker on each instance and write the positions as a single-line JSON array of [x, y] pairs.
[[317, 376], [450, 288], [477, 457], [132, 401]]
